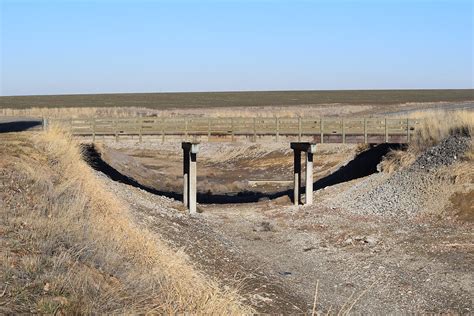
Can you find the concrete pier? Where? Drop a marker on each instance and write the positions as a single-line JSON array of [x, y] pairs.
[[309, 149], [309, 177], [190, 151], [297, 176]]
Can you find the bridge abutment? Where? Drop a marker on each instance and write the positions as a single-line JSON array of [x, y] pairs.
[[190, 151], [309, 149]]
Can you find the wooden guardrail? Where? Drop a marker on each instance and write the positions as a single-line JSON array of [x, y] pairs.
[[341, 130]]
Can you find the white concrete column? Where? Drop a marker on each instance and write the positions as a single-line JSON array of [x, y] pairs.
[[190, 151], [309, 178], [309, 173], [192, 183], [297, 176], [186, 161]]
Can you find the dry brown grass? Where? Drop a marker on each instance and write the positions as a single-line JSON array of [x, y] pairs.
[[397, 159], [70, 246], [435, 126], [250, 111], [78, 112]]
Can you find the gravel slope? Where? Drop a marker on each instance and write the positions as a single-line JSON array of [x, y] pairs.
[[408, 191]]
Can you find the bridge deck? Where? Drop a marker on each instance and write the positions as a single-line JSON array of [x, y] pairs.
[[326, 130]]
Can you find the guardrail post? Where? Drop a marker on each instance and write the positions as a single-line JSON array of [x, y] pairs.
[[277, 124], [321, 129], [162, 129], [299, 128], [232, 127], [343, 132], [254, 129], [365, 130], [208, 128], [93, 129], [140, 127], [116, 129], [186, 128], [408, 130]]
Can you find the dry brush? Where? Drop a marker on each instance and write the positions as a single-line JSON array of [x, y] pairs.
[[69, 245]]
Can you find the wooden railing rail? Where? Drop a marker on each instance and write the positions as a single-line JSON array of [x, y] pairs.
[[277, 127]]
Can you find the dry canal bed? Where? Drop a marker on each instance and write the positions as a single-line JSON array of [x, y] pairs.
[[362, 263]]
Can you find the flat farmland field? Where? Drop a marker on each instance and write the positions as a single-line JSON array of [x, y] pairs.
[[238, 99]]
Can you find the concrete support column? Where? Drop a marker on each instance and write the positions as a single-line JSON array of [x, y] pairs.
[[297, 176], [186, 162], [193, 184], [190, 151], [309, 178], [309, 149]]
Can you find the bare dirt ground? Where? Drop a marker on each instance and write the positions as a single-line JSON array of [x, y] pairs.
[[361, 263], [211, 251], [396, 266], [277, 253]]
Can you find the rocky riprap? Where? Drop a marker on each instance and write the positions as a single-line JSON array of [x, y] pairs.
[[408, 191], [443, 154]]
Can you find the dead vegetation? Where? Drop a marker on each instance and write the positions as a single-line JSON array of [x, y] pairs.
[[455, 180], [238, 111], [435, 126], [70, 246]]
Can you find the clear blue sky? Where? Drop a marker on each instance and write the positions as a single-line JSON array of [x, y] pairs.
[[59, 47]]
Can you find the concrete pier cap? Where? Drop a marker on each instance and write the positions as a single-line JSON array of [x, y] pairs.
[[193, 148], [306, 147]]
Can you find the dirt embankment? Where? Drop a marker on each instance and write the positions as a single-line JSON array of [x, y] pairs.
[[425, 185], [68, 245], [365, 262]]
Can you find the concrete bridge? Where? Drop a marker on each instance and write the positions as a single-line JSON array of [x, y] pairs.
[[302, 133]]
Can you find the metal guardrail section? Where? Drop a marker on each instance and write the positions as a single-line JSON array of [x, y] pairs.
[[320, 129]]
